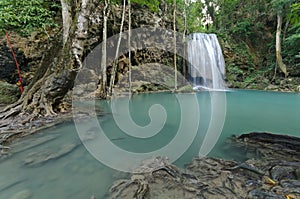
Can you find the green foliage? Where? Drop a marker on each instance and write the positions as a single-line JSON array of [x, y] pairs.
[[291, 45], [290, 10], [242, 28], [25, 16], [279, 4], [153, 5], [294, 14], [194, 16], [225, 17]]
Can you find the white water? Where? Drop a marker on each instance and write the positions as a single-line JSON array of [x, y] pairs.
[[206, 67]]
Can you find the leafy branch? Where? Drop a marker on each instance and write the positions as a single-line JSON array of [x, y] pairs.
[[25, 16]]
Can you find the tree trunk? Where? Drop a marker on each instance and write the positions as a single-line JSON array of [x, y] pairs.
[[114, 67], [280, 63], [103, 85], [129, 44], [67, 18], [175, 58], [184, 35], [57, 71]]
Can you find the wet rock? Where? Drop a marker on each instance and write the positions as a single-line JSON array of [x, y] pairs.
[[263, 194], [149, 165], [25, 194], [271, 174], [25, 145], [38, 158], [4, 152], [3, 147], [282, 172], [290, 183], [270, 146], [88, 136], [168, 181], [10, 183], [272, 88], [297, 173]]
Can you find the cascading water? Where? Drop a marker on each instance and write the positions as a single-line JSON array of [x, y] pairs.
[[206, 68]]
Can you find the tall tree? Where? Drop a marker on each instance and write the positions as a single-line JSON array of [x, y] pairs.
[[184, 35], [129, 44], [114, 67], [281, 7], [67, 18], [103, 85], [280, 63], [175, 46]]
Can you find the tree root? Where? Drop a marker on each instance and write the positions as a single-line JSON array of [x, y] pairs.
[[52, 81]]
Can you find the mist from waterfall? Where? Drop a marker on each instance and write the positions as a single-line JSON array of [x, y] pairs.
[[206, 68]]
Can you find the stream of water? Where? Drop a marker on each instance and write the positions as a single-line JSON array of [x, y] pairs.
[[71, 172], [206, 67]]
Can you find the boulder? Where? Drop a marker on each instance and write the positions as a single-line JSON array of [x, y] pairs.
[[9, 93]]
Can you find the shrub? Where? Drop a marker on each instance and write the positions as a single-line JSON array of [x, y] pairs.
[[25, 16]]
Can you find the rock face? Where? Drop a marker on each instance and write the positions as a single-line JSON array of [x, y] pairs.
[[142, 17], [271, 170], [29, 52], [8, 70], [151, 78]]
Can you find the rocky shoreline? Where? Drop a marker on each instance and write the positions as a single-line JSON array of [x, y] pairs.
[[17, 129], [271, 170]]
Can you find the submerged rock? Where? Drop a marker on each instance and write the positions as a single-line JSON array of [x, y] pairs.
[[25, 194], [25, 145], [10, 183], [42, 157]]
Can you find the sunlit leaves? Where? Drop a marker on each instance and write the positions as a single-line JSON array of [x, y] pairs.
[[295, 13], [25, 16]]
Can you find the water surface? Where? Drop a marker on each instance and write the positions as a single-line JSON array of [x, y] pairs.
[[78, 175]]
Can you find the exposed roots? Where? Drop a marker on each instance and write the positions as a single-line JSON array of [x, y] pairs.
[[32, 111], [52, 81]]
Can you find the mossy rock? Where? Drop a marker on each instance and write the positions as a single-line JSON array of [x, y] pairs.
[[9, 93], [186, 89]]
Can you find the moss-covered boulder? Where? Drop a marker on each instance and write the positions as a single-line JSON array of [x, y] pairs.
[[9, 93]]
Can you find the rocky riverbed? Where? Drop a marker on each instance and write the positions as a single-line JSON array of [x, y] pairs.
[[263, 165]]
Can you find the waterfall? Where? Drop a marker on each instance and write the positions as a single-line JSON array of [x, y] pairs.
[[206, 68]]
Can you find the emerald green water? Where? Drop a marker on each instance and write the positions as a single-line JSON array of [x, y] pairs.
[[78, 175]]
